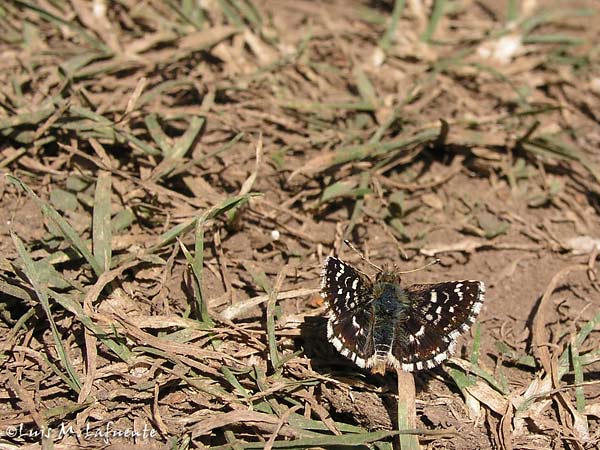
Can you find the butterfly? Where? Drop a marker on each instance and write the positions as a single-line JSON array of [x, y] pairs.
[[380, 325]]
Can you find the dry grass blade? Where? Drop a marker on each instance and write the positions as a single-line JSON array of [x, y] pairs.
[[538, 332], [234, 311]]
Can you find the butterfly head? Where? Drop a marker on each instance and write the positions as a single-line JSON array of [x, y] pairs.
[[388, 276]]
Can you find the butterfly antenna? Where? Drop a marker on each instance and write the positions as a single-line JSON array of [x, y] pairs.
[[430, 263], [358, 252]]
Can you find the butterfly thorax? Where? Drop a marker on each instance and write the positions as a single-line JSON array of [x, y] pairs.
[[389, 300]]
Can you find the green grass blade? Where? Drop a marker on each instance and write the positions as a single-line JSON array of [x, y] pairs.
[[190, 12], [232, 16], [101, 229], [563, 361], [198, 267], [552, 39], [476, 345], [68, 232], [185, 142], [388, 36], [201, 308], [554, 15], [407, 413], [29, 268], [157, 133], [119, 349], [437, 13], [249, 11], [230, 377], [271, 338], [172, 234], [365, 87], [578, 372], [196, 262], [365, 179], [341, 189], [550, 146], [359, 152], [512, 10], [29, 118], [64, 23], [336, 442]]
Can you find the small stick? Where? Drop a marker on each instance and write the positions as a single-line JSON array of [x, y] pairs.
[[407, 410]]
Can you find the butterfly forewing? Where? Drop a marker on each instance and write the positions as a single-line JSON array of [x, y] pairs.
[[448, 308], [438, 314], [348, 294]]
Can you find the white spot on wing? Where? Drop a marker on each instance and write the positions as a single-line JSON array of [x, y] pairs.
[[440, 357], [451, 348], [458, 291], [433, 298], [408, 367], [330, 329], [360, 362], [454, 334], [337, 343]]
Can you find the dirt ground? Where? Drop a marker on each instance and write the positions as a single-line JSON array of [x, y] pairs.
[[175, 173]]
